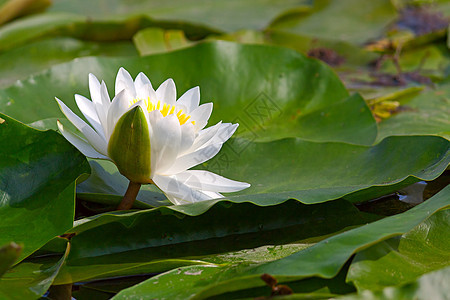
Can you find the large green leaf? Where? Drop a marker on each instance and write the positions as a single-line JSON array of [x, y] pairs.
[[222, 15], [400, 260], [38, 170], [93, 20], [426, 113], [296, 170], [433, 285], [324, 259], [272, 92], [23, 61], [355, 21], [297, 166], [31, 278], [224, 227], [347, 54]]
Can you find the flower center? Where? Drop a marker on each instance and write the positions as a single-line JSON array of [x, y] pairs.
[[165, 109]]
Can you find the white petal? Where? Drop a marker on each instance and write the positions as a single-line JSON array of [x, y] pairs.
[[205, 136], [103, 108], [208, 181], [187, 137], [143, 87], [141, 80], [87, 107], [165, 143], [80, 144], [119, 106], [93, 138], [212, 195], [217, 134], [225, 131], [94, 89], [124, 81], [106, 101], [154, 116], [190, 99], [192, 159], [167, 93], [201, 115], [178, 192]]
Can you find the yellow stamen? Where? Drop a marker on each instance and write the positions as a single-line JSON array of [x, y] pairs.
[[165, 110]]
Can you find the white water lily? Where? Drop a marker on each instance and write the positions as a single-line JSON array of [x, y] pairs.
[[152, 137]]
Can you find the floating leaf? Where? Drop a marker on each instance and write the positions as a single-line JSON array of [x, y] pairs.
[[433, 285], [425, 113], [38, 170], [221, 15], [21, 62], [297, 170], [31, 278], [364, 20], [224, 227], [324, 259], [402, 259]]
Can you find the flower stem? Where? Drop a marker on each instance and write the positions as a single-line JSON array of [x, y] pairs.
[[130, 196]]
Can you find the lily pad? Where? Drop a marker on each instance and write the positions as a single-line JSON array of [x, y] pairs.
[[401, 260], [221, 15], [433, 285], [324, 259], [37, 184], [425, 113], [30, 279], [355, 21], [230, 227], [21, 62], [92, 20], [298, 171]]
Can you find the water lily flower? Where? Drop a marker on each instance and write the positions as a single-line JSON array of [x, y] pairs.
[[152, 137]]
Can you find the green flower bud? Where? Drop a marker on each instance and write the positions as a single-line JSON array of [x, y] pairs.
[[129, 146]]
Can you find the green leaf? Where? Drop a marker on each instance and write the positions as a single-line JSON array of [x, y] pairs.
[[297, 168], [156, 40], [425, 113], [38, 170], [224, 227], [31, 278], [92, 20], [9, 253], [403, 259], [355, 21], [433, 285], [222, 15], [349, 55], [272, 92], [323, 259], [21, 62]]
